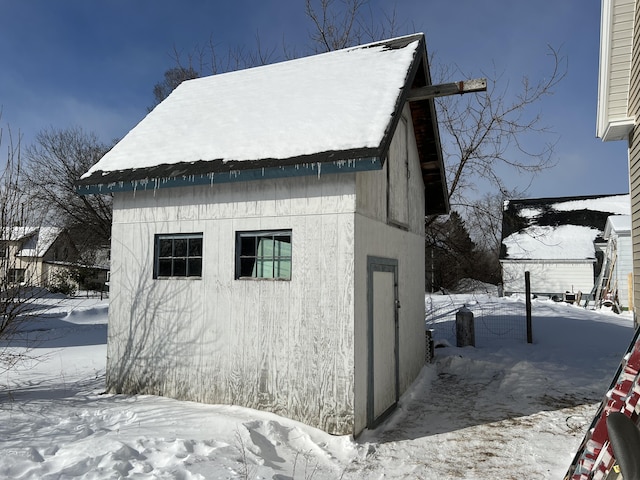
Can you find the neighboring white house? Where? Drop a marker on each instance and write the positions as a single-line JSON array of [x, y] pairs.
[[556, 240], [34, 255], [618, 270], [268, 225]]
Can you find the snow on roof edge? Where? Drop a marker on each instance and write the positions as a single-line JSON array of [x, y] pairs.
[[118, 159]]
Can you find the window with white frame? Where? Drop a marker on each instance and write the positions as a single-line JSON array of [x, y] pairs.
[[263, 255], [178, 255]]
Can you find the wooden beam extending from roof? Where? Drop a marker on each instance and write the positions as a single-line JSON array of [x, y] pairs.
[[444, 89]]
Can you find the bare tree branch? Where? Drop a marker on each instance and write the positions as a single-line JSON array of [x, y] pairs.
[[56, 161]]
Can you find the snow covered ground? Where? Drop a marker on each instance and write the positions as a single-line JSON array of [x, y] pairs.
[[504, 409]]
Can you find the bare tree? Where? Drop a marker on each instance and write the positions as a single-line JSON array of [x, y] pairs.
[[486, 134], [17, 296], [338, 25], [172, 78], [206, 60], [55, 162]]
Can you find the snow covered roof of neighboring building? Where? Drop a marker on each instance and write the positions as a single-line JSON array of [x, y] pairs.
[[557, 228], [330, 111], [14, 234], [39, 241]]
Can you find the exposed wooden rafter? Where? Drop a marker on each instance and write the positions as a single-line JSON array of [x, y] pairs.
[[444, 89]]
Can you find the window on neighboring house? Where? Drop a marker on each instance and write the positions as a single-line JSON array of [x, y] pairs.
[[263, 255], [16, 275], [178, 255]]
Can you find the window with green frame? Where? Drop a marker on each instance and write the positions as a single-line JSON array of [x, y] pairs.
[[263, 254], [178, 255]]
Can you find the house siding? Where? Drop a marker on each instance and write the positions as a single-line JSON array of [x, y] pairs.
[[615, 55], [281, 346], [622, 268], [619, 71], [634, 158], [548, 278]]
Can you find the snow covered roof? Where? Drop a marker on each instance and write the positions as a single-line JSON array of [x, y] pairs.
[[333, 111], [557, 228], [39, 241], [14, 234], [35, 240]]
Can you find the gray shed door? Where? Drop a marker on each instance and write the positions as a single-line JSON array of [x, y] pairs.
[[383, 339]]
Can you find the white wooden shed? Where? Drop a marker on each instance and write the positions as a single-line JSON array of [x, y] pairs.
[[268, 237], [556, 240], [619, 262]]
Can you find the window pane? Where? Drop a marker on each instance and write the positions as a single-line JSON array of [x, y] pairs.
[[179, 267], [164, 268], [263, 268], [265, 247], [195, 267], [264, 255], [178, 255], [180, 247], [195, 247], [282, 247], [247, 246], [165, 247], [283, 269], [283, 238], [246, 267]]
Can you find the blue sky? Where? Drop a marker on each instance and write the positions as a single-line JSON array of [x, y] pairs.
[[93, 64]]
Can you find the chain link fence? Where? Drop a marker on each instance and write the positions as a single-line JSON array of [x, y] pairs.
[[496, 319]]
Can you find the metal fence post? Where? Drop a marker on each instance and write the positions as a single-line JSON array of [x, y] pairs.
[[527, 288]]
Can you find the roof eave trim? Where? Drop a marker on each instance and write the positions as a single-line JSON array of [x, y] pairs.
[[617, 129], [248, 174]]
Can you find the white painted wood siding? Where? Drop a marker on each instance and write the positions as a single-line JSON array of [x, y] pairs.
[[398, 167], [374, 236], [548, 277], [297, 348], [616, 39], [622, 268], [372, 200], [282, 346]]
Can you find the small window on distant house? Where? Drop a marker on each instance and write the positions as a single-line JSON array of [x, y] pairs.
[[16, 275], [263, 255], [178, 255]]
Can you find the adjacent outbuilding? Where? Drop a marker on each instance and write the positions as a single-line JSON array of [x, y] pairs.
[[268, 237], [559, 241]]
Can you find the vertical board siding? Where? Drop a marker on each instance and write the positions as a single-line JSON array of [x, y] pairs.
[[282, 346], [398, 175], [375, 237], [297, 348]]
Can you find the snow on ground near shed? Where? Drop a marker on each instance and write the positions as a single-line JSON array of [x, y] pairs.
[[505, 409]]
